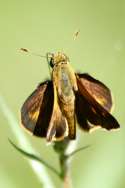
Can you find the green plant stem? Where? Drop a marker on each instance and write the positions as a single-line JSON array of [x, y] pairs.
[[64, 159], [60, 148]]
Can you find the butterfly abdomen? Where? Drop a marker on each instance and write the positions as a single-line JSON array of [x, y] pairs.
[[67, 100]]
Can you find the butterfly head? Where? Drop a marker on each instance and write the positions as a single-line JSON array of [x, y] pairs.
[[57, 58]]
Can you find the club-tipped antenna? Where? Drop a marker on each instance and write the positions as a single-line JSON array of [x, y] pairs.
[[30, 52], [47, 56], [76, 34]]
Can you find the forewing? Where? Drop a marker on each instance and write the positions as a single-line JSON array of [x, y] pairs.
[[57, 129], [97, 90], [90, 112], [37, 110]]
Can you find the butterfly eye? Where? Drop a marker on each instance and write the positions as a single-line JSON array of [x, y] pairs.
[[51, 63]]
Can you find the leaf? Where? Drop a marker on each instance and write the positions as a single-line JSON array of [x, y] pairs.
[[34, 157]]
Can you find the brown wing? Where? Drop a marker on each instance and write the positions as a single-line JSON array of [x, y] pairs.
[[58, 128], [84, 112], [89, 111], [38, 114], [97, 90], [37, 109]]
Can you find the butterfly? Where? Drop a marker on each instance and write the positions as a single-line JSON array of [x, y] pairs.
[[57, 105]]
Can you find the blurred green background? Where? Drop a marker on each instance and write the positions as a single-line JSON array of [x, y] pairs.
[[48, 26]]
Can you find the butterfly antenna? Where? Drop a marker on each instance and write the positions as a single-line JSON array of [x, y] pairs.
[[76, 34], [48, 56], [31, 53]]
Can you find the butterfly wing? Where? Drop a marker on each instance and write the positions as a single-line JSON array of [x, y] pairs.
[[58, 128], [100, 92], [93, 103], [37, 109], [83, 113], [40, 116]]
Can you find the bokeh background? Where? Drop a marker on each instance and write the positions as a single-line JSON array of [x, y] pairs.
[[48, 26]]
